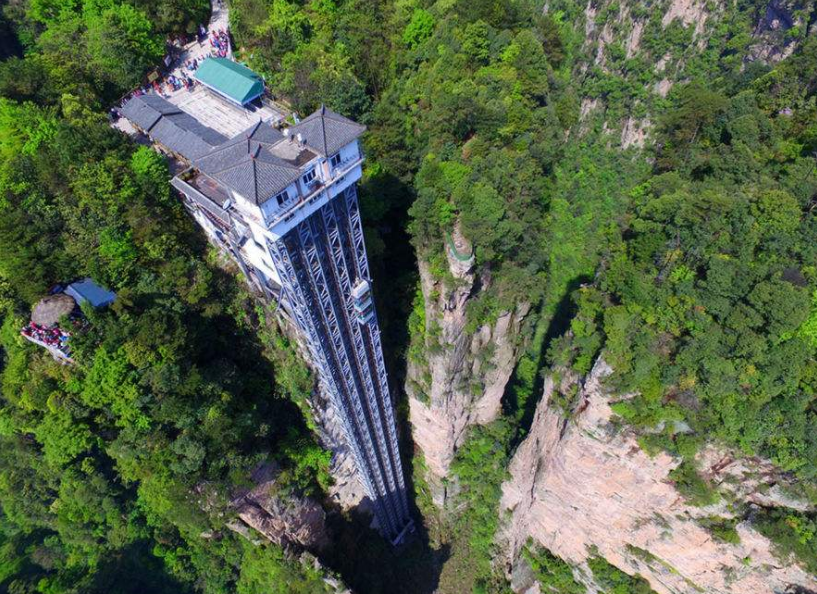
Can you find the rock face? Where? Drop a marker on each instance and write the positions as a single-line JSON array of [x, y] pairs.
[[462, 380], [287, 520], [347, 490], [586, 483], [613, 26], [771, 43]]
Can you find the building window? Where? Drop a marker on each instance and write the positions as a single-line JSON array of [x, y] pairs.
[[282, 198], [335, 160], [309, 176]]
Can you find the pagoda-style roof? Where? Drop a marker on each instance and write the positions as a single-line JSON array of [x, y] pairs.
[[171, 127], [326, 132], [247, 164]]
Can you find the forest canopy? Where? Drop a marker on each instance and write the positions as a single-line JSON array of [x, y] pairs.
[[687, 261]]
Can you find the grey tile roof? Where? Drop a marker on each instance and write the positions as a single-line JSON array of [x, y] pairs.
[[245, 164], [327, 132], [171, 127], [145, 110], [202, 200]]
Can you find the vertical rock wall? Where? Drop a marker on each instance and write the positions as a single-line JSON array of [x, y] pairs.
[[346, 490], [584, 483], [462, 381]]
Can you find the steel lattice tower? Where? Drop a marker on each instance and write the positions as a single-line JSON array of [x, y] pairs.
[[283, 204], [320, 262]]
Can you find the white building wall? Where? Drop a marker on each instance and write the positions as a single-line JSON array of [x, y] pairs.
[[270, 208], [349, 153], [257, 255], [307, 189]]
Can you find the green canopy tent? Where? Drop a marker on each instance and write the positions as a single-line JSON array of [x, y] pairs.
[[233, 81]]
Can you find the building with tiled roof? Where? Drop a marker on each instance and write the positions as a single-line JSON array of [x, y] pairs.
[[167, 125], [283, 204], [326, 132]]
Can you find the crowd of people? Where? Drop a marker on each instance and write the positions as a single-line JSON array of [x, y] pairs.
[[220, 44], [54, 336], [220, 41], [175, 82]]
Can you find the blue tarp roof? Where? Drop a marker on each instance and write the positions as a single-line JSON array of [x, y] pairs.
[[88, 290]]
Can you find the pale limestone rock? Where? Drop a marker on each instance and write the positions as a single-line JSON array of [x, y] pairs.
[[690, 12], [770, 44], [589, 19], [661, 64], [282, 518], [588, 105], [346, 490], [634, 132], [634, 38], [585, 482], [465, 376], [663, 86]]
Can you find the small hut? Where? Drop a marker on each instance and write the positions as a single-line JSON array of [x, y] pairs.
[[87, 291], [44, 328], [49, 310]]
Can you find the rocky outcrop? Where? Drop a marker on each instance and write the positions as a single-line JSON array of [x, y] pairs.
[[689, 12], [346, 490], [283, 518], [634, 132], [461, 381], [772, 40], [585, 484], [618, 31]]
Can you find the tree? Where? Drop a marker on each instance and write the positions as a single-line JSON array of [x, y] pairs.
[[122, 45]]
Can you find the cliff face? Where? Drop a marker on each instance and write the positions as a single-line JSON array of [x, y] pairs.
[[462, 380], [584, 482], [618, 35], [346, 490], [460, 377]]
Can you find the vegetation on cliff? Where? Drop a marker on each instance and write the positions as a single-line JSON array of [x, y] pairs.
[[116, 472], [694, 257], [704, 306], [689, 263]]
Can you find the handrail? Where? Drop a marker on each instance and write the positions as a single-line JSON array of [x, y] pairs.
[[454, 252], [311, 197]]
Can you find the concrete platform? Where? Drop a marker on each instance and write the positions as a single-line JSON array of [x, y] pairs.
[[219, 114]]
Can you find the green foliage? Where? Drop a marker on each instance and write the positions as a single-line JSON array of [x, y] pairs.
[[122, 45], [419, 28], [553, 574], [308, 471], [695, 276], [173, 400], [316, 52], [263, 568], [793, 533], [612, 580], [712, 280], [94, 49], [695, 489], [480, 467], [722, 529]]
